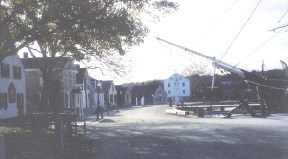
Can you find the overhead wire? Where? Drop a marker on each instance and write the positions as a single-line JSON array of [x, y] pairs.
[[218, 19], [257, 48], [283, 16], [240, 30], [181, 62]]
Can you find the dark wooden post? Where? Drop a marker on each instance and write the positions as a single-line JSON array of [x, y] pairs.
[[59, 146], [2, 147], [262, 105], [69, 120], [84, 127]]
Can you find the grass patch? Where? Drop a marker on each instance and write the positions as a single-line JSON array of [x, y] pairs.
[[21, 144]]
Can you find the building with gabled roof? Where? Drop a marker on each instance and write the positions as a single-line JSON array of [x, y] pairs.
[[148, 94], [110, 92], [12, 88], [83, 83], [177, 88], [63, 81]]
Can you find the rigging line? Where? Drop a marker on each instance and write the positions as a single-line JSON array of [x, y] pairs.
[[199, 58], [257, 48], [283, 16], [171, 54], [218, 19], [240, 30], [271, 87], [178, 58]]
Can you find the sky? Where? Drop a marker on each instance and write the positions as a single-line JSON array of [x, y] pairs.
[[210, 27], [231, 30]]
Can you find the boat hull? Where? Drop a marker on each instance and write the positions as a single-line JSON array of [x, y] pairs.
[[273, 91]]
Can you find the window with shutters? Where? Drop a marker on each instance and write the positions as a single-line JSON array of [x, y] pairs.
[[5, 71], [16, 72], [3, 101]]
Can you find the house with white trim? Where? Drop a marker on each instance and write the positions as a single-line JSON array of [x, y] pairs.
[[177, 88], [12, 88], [110, 92], [83, 83], [63, 83], [148, 95]]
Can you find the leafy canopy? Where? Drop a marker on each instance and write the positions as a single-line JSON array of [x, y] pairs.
[[82, 28]]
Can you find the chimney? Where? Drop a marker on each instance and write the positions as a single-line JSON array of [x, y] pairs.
[[25, 55]]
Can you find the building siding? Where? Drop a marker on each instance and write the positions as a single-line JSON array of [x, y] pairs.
[[12, 110], [177, 88]]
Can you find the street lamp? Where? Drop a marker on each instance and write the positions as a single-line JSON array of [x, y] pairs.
[[98, 101]]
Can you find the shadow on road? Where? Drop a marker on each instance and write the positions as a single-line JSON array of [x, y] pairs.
[[156, 135], [183, 140], [108, 121]]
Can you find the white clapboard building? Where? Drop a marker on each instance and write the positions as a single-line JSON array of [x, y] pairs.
[[177, 88], [12, 88]]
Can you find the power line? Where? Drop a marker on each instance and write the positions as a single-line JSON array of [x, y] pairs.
[[256, 49], [219, 19], [240, 31], [283, 16]]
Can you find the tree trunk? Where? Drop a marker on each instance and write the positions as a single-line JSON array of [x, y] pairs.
[[44, 103]]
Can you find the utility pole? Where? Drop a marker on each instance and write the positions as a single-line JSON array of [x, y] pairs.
[[262, 72]]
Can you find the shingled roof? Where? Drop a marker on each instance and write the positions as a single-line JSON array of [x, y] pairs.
[[106, 85], [31, 63], [146, 90], [119, 88]]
